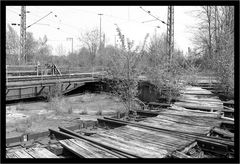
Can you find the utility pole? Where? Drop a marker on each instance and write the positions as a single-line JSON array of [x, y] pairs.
[[22, 58], [100, 30], [22, 54], [72, 42], [170, 32]]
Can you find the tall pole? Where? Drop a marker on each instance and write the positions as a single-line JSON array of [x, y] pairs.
[[100, 30], [170, 32], [23, 36], [72, 42]]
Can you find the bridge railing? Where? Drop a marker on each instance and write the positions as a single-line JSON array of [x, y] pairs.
[[37, 70]]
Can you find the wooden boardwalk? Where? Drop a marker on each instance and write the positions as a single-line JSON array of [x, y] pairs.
[[31, 153], [196, 98], [146, 143], [84, 149]]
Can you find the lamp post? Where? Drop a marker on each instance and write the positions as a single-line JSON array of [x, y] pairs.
[[100, 30]]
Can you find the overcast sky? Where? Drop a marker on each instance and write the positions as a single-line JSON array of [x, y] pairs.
[[71, 21]]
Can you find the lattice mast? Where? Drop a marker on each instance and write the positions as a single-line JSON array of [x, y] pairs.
[[22, 58], [170, 32]]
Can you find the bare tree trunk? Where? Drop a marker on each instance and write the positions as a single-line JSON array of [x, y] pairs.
[[216, 30], [209, 32]]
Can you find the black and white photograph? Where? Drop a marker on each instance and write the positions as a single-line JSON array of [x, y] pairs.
[[119, 81]]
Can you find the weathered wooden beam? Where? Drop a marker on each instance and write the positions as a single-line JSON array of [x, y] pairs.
[[65, 135], [178, 154], [97, 143], [223, 132], [19, 153], [185, 134], [227, 118], [40, 153]]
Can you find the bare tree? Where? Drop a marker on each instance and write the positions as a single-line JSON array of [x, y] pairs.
[[214, 37], [91, 40], [12, 46]]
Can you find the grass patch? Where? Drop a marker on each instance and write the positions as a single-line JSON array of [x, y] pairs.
[[60, 105], [24, 126], [19, 107]]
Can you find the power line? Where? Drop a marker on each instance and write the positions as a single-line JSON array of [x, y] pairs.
[[149, 13], [108, 15], [39, 19]]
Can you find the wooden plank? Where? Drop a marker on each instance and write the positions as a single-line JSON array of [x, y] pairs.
[[182, 134], [112, 150], [177, 154], [183, 111], [125, 146], [11, 155], [228, 109], [201, 102], [176, 126], [198, 106], [181, 120], [223, 132], [40, 153], [79, 151], [134, 141], [22, 153], [151, 139], [227, 118], [161, 136], [100, 153]]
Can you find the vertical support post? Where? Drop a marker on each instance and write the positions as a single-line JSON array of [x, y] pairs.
[[170, 32], [23, 35], [6, 75], [37, 70], [36, 91], [100, 31], [19, 93]]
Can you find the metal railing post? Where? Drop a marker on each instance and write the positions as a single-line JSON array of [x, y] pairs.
[[7, 74], [37, 70]]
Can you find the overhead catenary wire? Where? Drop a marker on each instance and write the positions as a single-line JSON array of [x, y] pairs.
[[149, 13], [94, 13], [40, 19], [111, 16]]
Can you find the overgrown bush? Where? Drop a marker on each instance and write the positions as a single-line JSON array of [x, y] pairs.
[[123, 71], [166, 75], [60, 105]]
